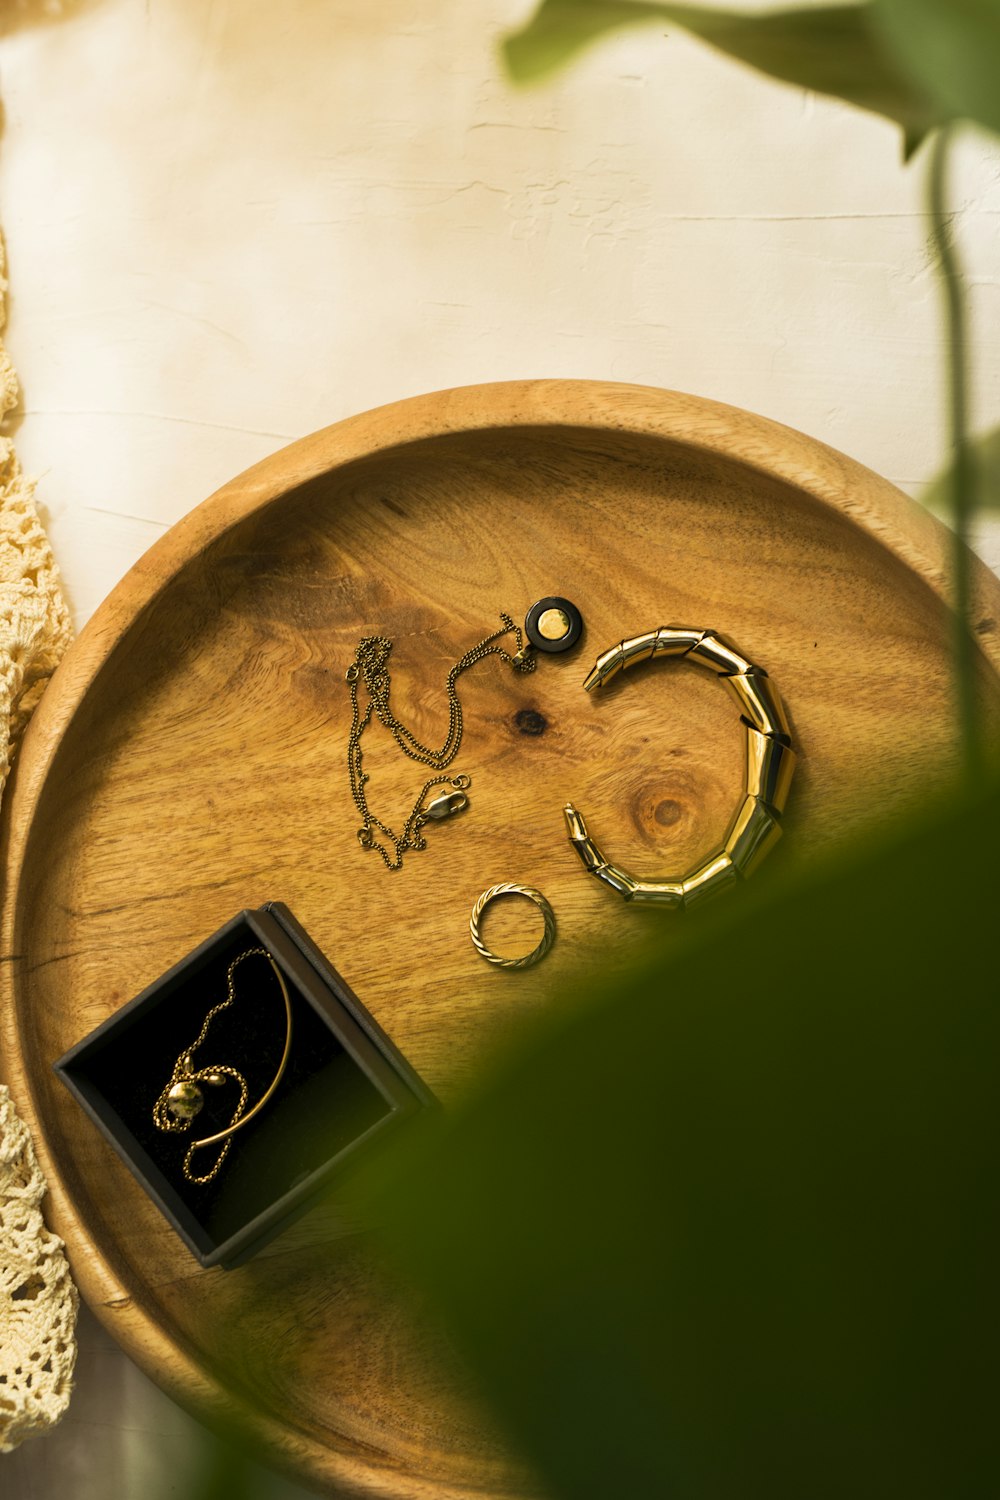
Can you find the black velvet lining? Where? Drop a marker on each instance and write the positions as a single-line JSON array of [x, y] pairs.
[[323, 1103]]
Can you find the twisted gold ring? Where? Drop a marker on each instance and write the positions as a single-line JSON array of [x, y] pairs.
[[508, 889]]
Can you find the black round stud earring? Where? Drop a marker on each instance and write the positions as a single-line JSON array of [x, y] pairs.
[[553, 625]]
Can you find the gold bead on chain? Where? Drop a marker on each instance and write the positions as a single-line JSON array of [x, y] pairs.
[[182, 1098]]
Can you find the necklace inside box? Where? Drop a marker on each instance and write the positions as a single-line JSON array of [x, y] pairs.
[[344, 1088]]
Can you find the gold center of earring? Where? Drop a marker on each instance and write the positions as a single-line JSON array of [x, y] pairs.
[[553, 624]]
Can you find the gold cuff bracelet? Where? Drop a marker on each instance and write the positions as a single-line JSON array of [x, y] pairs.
[[756, 826]]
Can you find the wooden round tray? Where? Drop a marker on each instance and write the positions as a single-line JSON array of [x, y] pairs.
[[188, 760]]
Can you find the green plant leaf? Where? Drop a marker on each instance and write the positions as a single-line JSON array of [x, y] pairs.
[[733, 1228], [951, 49], [985, 452], [831, 49]]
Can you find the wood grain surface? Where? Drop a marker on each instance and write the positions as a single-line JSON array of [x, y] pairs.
[[188, 760]]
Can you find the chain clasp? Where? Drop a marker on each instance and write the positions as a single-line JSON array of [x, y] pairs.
[[443, 805]]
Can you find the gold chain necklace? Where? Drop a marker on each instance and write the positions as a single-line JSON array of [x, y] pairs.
[[181, 1098], [370, 670]]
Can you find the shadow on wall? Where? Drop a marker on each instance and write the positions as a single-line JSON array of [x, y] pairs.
[[15, 15], [257, 31]]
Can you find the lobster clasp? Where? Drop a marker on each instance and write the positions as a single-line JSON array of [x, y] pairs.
[[444, 804]]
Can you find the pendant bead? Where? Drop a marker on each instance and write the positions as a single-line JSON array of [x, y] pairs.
[[185, 1100]]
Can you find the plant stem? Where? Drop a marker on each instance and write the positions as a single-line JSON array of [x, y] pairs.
[[963, 479]]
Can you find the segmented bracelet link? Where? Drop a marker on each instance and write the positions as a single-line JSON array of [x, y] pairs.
[[756, 827]]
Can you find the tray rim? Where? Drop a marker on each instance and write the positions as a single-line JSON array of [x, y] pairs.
[[828, 477]]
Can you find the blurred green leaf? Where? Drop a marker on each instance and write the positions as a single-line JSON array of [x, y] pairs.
[[732, 1229], [831, 49], [223, 1471], [951, 48], [985, 455]]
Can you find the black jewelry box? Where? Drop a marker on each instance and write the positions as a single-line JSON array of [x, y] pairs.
[[345, 1086]]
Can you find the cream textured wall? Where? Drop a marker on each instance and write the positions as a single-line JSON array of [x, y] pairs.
[[233, 221]]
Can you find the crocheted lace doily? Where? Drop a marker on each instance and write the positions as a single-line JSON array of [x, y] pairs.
[[38, 1301], [34, 621]]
